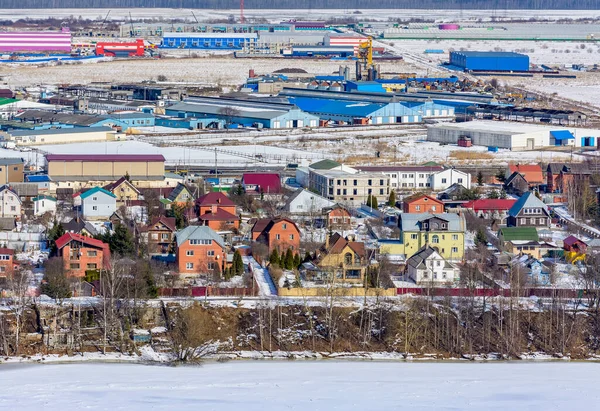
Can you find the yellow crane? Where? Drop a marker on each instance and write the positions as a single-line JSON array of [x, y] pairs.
[[365, 53]]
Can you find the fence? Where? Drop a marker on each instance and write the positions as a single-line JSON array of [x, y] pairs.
[[495, 292]]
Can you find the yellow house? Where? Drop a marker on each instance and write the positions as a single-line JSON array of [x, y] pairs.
[[124, 190], [347, 259], [444, 232]]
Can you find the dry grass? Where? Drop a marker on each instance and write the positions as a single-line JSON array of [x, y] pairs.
[[470, 155]]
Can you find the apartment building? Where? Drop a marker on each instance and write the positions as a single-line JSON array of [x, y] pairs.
[[351, 187], [405, 177]]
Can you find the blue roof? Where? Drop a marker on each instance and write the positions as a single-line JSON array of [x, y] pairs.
[[336, 107], [96, 190], [39, 178], [489, 54], [528, 199], [562, 135]]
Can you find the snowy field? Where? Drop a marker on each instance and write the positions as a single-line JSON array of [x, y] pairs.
[[302, 385]]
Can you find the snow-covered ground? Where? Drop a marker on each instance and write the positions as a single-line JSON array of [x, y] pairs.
[[302, 385]]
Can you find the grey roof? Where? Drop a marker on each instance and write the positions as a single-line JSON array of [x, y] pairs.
[[11, 161], [53, 131], [419, 258], [198, 232], [7, 223], [76, 225], [26, 189], [58, 117], [411, 221], [527, 200], [217, 110]]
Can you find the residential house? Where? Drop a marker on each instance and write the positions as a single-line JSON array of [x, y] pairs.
[[159, 235], [343, 258], [181, 195], [574, 244], [200, 250], [307, 203], [443, 179], [98, 203], [338, 218], [217, 211], [523, 240], [532, 173], [11, 170], [455, 192], [10, 206], [124, 190], [421, 203], [445, 232], [571, 175], [6, 262], [529, 211], [42, 180], [516, 184], [79, 226], [277, 233], [427, 266], [80, 254], [43, 204], [536, 272], [492, 209], [261, 183]]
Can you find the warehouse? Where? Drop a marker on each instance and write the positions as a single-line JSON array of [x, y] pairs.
[[24, 41], [348, 40], [365, 108], [102, 167], [513, 136], [489, 61], [208, 41], [244, 112], [58, 136], [318, 51]]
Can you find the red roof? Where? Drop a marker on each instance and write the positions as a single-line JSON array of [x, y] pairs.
[[572, 240], [413, 198], [266, 182], [8, 251], [490, 204], [531, 172], [220, 215], [68, 237], [105, 157], [215, 198]]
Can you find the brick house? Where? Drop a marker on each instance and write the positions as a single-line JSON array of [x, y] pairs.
[[200, 250], [421, 203], [277, 233], [159, 235], [496, 209], [338, 218], [6, 262], [531, 172], [80, 254], [217, 211]]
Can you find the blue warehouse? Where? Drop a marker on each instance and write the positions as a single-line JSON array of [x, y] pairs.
[[366, 108], [245, 113], [489, 61], [208, 41]]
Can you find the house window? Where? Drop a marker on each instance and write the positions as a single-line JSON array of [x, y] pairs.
[[435, 239], [95, 198], [92, 266], [93, 253], [210, 253], [284, 226], [291, 236], [74, 266], [418, 208], [355, 182], [460, 180], [370, 182], [414, 236], [200, 242], [348, 259], [13, 208], [189, 253], [2, 269], [523, 221], [455, 237], [154, 236], [164, 236], [189, 266], [355, 191], [443, 181], [454, 250], [381, 191], [380, 182], [542, 221], [277, 237], [432, 208], [5, 257], [339, 192], [211, 266]]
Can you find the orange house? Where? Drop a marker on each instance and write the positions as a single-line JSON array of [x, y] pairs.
[[338, 218], [6, 262], [532, 173], [81, 254], [277, 233], [200, 251], [421, 203], [217, 211]]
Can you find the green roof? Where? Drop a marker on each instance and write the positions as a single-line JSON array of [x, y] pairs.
[[43, 197], [4, 100], [96, 190], [519, 234], [430, 164], [324, 165]]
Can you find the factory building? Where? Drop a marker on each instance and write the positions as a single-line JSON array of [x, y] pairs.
[[247, 113], [348, 40], [208, 41], [27, 41], [512, 136], [489, 61], [318, 51], [365, 108], [57, 136]]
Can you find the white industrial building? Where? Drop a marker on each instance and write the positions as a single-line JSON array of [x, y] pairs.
[[57, 136], [513, 135]]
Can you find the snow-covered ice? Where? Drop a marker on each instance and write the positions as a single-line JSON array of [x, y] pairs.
[[302, 385]]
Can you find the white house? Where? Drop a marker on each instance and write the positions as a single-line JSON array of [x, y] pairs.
[[445, 178], [306, 202], [429, 267], [98, 203], [10, 202], [43, 204]]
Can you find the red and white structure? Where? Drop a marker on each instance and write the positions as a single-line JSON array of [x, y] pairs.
[[28, 41], [136, 48], [347, 40]]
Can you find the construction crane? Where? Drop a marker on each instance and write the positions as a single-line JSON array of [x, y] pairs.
[[365, 58], [242, 19]]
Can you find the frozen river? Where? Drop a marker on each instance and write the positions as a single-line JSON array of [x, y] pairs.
[[302, 385]]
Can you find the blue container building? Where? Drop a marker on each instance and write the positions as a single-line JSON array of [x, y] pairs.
[[489, 61]]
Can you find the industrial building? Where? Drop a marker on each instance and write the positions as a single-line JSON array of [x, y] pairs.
[[121, 49], [348, 40], [44, 41], [512, 136], [319, 51], [44, 119], [248, 113], [208, 41], [489, 61], [365, 108], [57, 136], [101, 167]]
